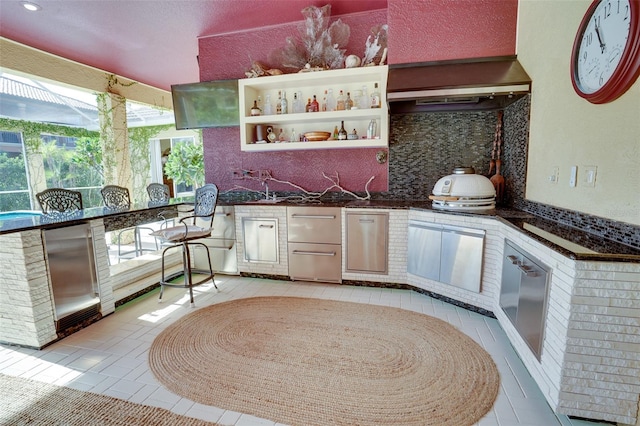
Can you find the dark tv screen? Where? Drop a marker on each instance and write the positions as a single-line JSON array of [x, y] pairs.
[[206, 104]]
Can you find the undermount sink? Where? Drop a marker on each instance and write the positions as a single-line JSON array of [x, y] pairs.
[[265, 201]]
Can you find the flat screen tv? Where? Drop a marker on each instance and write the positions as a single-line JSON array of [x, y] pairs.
[[206, 104]]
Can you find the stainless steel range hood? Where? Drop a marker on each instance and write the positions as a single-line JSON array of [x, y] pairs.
[[470, 84]]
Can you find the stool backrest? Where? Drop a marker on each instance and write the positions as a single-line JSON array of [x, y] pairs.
[[115, 197], [205, 202], [59, 200], [158, 194]]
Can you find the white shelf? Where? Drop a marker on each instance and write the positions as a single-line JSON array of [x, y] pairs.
[[315, 83]]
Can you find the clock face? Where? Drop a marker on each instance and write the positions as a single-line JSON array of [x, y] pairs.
[[603, 41], [605, 60]]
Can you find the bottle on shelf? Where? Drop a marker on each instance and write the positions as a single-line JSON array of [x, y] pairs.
[[340, 102], [315, 107], [331, 101], [348, 103], [255, 110], [268, 109], [294, 103], [293, 136], [363, 102], [301, 105], [308, 107], [323, 107], [284, 107], [335, 133], [342, 133], [375, 97], [372, 129], [281, 136], [279, 103]]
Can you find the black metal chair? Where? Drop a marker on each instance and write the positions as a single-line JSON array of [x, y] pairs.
[[117, 198], [158, 194], [59, 200], [184, 236]]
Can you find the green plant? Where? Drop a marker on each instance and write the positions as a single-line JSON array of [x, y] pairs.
[[185, 164]]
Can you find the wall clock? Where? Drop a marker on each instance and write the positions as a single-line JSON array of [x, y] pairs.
[[605, 60]]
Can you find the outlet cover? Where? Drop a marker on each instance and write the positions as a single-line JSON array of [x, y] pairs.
[[573, 176], [554, 175]]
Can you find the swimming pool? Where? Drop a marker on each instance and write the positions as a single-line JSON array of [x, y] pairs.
[[19, 214]]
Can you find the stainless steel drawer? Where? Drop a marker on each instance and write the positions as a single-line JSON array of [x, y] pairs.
[[315, 262], [314, 225]]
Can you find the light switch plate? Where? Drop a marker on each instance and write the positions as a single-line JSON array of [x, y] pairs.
[[573, 176]]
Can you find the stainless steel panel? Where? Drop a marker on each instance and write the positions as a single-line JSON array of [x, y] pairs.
[[523, 295], [532, 304], [314, 225], [222, 243], [260, 239], [315, 262], [423, 249], [461, 257], [510, 288], [71, 264], [367, 242]]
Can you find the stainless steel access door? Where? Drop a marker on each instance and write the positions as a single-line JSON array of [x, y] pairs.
[[461, 257], [423, 249], [72, 269]]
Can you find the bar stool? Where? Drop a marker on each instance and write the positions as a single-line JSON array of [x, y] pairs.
[[59, 200], [117, 198], [184, 235]]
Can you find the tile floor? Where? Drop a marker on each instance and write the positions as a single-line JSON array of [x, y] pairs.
[[110, 356]]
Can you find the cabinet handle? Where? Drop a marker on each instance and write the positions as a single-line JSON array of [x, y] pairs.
[[312, 216], [265, 226], [222, 214], [514, 260], [527, 270], [366, 221], [314, 253]]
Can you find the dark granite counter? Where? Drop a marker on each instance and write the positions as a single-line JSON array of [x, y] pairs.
[[570, 242]]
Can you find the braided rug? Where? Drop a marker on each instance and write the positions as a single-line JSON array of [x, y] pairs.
[[301, 361]]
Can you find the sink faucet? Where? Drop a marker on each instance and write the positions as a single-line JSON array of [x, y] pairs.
[[266, 190]]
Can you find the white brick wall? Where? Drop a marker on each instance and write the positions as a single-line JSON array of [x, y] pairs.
[[26, 308]]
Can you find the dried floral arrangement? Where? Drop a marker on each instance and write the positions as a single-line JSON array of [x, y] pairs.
[[322, 46]]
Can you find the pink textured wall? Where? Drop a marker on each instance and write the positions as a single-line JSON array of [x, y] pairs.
[[424, 30], [435, 30]]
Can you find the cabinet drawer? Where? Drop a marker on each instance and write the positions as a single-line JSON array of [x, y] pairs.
[[314, 225], [315, 262]]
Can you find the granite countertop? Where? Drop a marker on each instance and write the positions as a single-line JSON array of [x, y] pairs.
[[568, 241]]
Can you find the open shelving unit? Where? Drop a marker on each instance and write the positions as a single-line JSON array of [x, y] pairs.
[[309, 84]]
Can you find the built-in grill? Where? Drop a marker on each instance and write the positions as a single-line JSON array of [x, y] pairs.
[[464, 191]]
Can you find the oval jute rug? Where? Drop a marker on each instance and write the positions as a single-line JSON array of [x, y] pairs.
[[305, 362]]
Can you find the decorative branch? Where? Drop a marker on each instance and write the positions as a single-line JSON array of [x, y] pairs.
[[309, 196]]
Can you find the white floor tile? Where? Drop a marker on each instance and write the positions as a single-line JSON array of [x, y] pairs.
[[110, 356]]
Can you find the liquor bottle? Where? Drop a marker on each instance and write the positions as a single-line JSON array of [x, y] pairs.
[[281, 136], [340, 104], [268, 109], [331, 101], [315, 107], [294, 104], [308, 107], [375, 97], [323, 107], [335, 133], [285, 104], [279, 103], [342, 133], [363, 102], [255, 110], [348, 103]]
